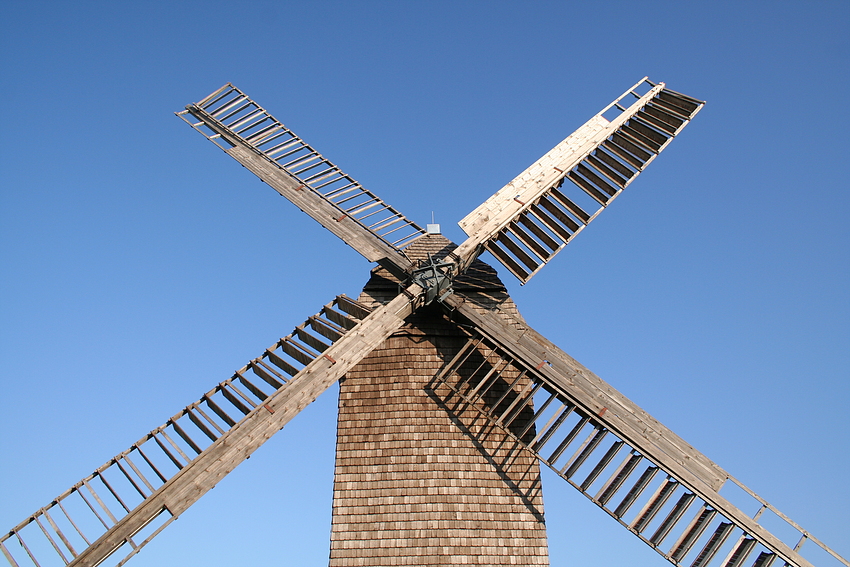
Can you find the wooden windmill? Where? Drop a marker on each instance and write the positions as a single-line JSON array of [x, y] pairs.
[[448, 399]]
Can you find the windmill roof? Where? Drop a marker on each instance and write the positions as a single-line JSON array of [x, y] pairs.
[[479, 277], [480, 284]]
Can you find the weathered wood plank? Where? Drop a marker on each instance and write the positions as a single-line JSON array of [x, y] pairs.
[[503, 207], [623, 417], [232, 448]]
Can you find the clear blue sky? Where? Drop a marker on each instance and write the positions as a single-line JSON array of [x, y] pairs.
[[140, 265]]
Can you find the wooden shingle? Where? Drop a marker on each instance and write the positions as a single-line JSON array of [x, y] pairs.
[[419, 478]]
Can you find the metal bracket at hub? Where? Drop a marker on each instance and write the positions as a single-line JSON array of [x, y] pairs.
[[435, 278]]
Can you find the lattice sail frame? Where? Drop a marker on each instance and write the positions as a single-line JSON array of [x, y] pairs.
[[280, 158], [130, 499], [620, 457], [534, 216]]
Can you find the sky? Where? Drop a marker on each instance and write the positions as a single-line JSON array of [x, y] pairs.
[[140, 266]]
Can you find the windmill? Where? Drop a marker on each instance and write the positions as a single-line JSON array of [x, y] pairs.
[[434, 328]]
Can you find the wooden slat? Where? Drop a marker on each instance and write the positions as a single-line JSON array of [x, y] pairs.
[[267, 373], [692, 533], [518, 252], [231, 385], [647, 514], [635, 491], [60, 534], [506, 259], [550, 223], [174, 445], [581, 457], [608, 172], [541, 234], [460, 357], [338, 318], [237, 403], [563, 218], [591, 175], [600, 466], [647, 131], [623, 154], [617, 478], [657, 112], [543, 438], [252, 387], [8, 555], [521, 401], [26, 548], [672, 518], [201, 425], [765, 559], [310, 340], [174, 460], [609, 160], [717, 539], [129, 477], [637, 137], [101, 502], [568, 204], [588, 188], [629, 145], [325, 329], [352, 307], [741, 552], [225, 417], [290, 347], [137, 471], [672, 108], [281, 363], [565, 442], [529, 241], [685, 102], [531, 422], [189, 441], [51, 540], [651, 120], [489, 380]]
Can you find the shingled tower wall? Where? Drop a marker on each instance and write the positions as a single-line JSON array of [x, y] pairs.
[[421, 479]]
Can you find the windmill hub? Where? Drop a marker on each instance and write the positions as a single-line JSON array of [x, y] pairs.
[[435, 278]]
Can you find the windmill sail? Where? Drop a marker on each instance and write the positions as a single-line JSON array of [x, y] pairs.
[[638, 471], [534, 216], [126, 502], [280, 158]]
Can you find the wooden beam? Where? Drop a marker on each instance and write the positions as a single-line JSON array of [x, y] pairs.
[[510, 201], [232, 448], [620, 415], [369, 244]]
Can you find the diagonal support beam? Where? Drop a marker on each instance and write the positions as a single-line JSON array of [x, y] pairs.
[[232, 448], [616, 413], [275, 154], [596, 163]]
